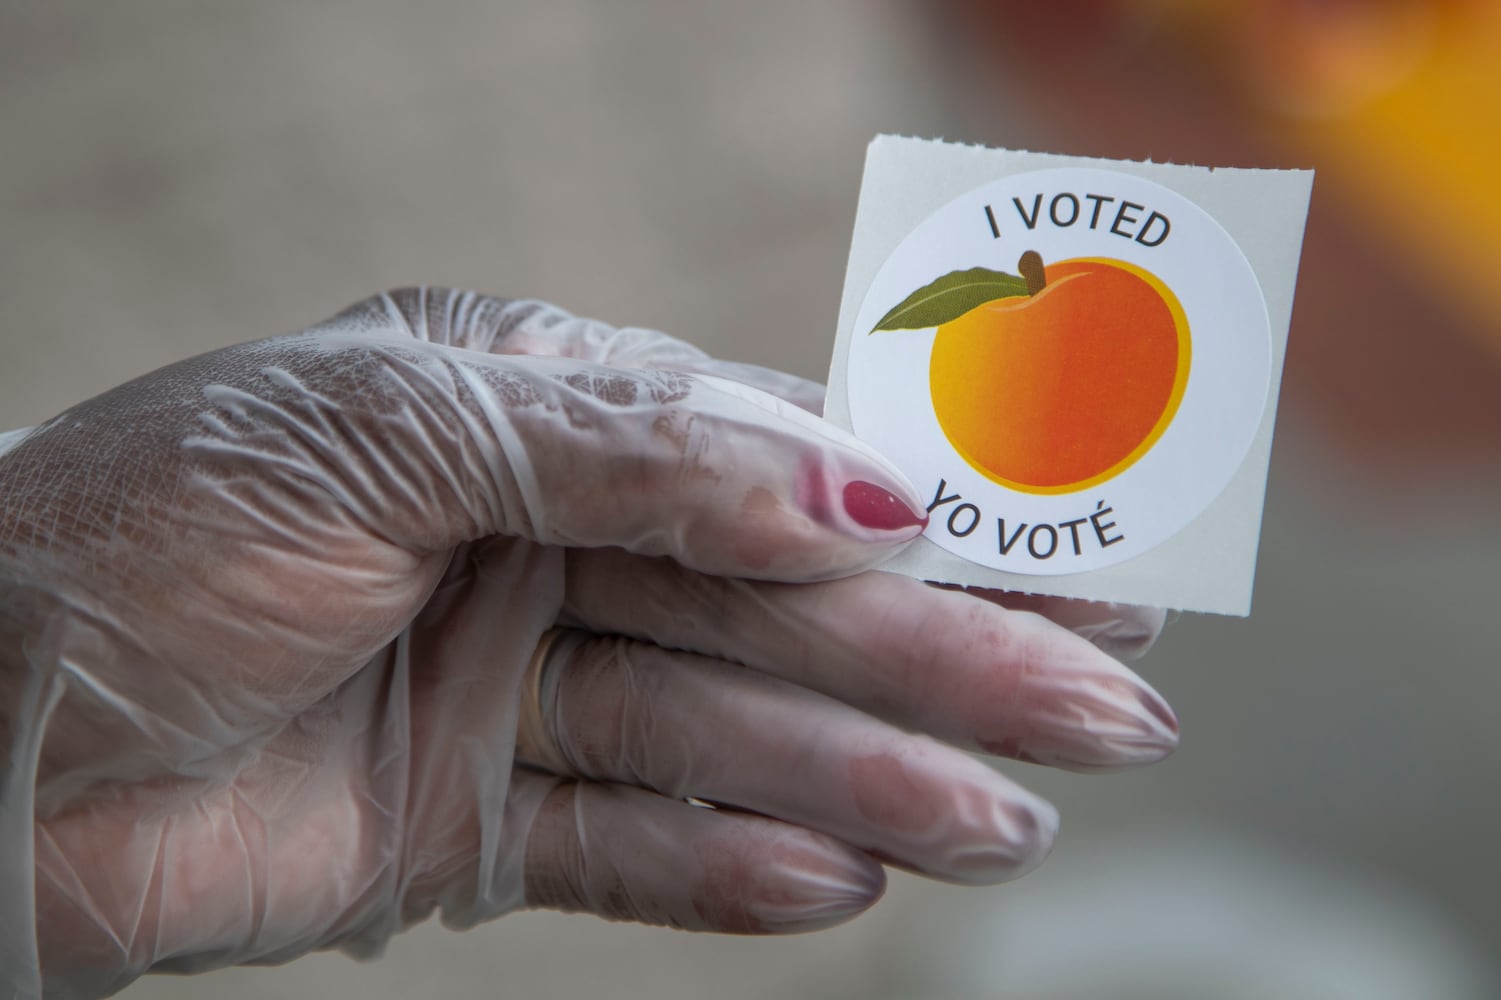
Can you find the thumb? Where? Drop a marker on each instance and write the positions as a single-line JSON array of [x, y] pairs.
[[429, 446]]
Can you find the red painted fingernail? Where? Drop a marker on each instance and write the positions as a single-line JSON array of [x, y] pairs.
[[873, 507]]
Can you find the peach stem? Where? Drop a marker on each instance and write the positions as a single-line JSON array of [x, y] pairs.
[[1030, 267]]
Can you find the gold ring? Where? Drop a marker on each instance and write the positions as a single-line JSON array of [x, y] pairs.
[[534, 745]]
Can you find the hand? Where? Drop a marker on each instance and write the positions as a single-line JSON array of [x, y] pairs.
[[452, 603]]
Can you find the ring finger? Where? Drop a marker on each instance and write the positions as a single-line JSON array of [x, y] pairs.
[[615, 710]]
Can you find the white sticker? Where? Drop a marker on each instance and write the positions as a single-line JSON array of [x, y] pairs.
[[1071, 363]]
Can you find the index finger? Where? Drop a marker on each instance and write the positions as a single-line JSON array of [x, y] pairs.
[[952, 665]]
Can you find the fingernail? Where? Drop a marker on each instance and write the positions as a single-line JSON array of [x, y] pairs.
[[1137, 725], [1037, 827], [826, 889], [1125, 634], [1019, 829], [874, 507], [1159, 710], [1107, 722]]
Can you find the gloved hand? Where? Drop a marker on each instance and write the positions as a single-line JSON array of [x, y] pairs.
[[453, 603]]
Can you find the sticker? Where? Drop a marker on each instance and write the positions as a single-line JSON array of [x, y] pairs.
[[1070, 363]]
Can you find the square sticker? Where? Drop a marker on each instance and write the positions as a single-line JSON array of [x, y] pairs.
[[1076, 361]]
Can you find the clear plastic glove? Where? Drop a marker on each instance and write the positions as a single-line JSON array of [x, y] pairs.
[[452, 604]]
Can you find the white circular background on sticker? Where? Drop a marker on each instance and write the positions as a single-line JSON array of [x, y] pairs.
[[1163, 490]]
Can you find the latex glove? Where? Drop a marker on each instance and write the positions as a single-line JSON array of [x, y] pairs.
[[267, 617]]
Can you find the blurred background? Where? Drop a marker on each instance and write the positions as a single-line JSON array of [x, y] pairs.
[[176, 176]]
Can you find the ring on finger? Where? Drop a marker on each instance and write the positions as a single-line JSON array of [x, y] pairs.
[[534, 743]]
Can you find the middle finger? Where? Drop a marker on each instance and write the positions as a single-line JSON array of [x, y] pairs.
[[941, 662]]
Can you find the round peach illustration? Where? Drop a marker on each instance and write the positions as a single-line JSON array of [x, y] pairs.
[[1055, 380]]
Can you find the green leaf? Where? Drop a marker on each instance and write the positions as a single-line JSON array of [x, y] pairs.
[[950, 297]]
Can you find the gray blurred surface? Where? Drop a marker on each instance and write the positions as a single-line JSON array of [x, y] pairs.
[[177, 176]]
